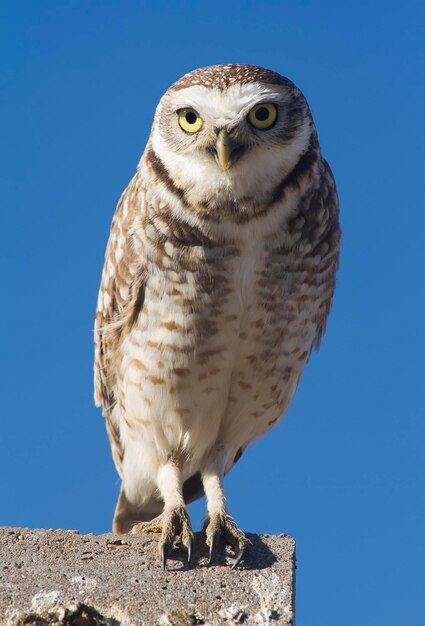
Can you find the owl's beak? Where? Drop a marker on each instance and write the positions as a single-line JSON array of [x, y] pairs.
[[226, 150], [223, 149]]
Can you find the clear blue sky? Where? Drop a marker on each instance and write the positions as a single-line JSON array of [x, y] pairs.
[[344, 473]]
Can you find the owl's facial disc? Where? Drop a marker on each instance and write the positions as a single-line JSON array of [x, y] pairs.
[[231, 142], [225, 126]]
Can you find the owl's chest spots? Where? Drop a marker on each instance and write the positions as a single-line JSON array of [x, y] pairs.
[[245, 275], [240, 307], [207, 303], [224, 340]]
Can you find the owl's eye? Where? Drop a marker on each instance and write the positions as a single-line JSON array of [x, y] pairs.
[[263, 116], [189, 120]]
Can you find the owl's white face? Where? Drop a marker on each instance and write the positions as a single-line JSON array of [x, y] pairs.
[[212, 139]]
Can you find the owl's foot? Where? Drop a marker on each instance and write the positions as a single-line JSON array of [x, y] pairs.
[[174, 526], [221, 524]]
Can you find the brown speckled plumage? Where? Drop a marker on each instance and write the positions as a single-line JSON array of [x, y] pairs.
[[215, 288], [224, 76]]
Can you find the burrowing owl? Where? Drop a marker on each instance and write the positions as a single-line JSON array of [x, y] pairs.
[[218, 280]]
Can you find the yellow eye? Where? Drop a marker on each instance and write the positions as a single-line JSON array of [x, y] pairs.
[[190, 120], [263, 116]]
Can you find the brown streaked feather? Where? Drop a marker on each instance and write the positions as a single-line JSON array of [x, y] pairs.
[[163, 175], [329, 246], [317, 223], [120, 300]]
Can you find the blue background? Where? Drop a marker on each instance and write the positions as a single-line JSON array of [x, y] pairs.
[[344, 473]]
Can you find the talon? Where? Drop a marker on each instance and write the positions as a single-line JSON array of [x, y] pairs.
[[221, 524], [174, 526], [164, 554], [189, 551], [212, 545], [239, 557]]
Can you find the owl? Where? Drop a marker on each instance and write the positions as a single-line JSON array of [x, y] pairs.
[[218, 279]]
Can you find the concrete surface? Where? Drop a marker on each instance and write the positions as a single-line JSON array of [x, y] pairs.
[[62, 578]]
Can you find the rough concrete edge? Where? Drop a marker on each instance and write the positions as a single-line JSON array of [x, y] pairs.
[[49, 609], [67, 614]]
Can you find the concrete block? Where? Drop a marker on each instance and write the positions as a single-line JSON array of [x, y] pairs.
[[63, 578]]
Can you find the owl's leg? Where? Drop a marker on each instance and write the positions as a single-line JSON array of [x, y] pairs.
[[173, 523], [218, 522]]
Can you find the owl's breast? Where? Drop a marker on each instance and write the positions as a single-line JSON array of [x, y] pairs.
[[278, 305], [216, 352], [175, 365]]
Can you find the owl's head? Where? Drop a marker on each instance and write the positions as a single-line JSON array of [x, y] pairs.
[[231, 129]]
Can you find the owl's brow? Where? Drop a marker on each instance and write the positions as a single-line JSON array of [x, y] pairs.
[[186, 104], [193, 103]]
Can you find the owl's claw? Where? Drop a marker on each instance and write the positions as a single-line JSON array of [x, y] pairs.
[[238, 559], [189, 551], [221, 524], [174, 526], [212, 544], [164, 554]]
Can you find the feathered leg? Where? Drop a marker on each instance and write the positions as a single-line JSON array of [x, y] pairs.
[[173, 523], [219, 523]]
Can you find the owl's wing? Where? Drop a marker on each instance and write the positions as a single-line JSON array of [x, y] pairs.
[[120, 300], [326, 241], [315, 227]]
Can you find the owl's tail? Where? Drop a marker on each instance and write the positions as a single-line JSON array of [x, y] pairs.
[[127, 515]]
